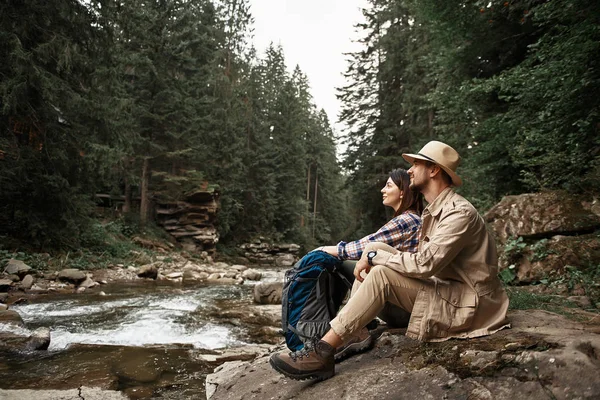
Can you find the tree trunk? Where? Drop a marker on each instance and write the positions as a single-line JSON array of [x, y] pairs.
[[315, 203], [127, 204], [144, 200], [307, 195]]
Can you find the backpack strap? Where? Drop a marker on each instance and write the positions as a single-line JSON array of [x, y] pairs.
[[342, 277]]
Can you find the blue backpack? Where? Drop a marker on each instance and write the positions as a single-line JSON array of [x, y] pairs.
[[313, 291]]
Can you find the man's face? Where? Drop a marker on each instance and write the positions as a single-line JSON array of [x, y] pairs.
[[419, 176]]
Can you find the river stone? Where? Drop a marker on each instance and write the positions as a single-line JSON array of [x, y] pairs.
[[221, 265], [5, 285], [194, 276], [231, 275], [134, 369], [3, 297], [239, 267], [11, 317], [72, 275], [214, 277], [268, 293], [88, 283], [17, 267], [285, 260], [3, 307], [251, 275], [40, 339], [27, 282], [148, 271]]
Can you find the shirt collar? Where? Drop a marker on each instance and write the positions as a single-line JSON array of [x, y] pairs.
[[435, 208]]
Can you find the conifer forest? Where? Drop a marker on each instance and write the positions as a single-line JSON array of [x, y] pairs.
[[155, 98]]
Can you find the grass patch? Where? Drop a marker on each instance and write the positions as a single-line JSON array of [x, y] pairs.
[[103, 244], [521, 299]]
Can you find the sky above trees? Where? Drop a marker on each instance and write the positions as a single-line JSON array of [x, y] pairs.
[[314, 34]]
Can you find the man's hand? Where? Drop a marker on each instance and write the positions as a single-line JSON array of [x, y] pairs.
[[361, 265]]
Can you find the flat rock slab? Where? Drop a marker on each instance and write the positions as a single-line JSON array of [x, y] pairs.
[[543, 356], [71, 394]]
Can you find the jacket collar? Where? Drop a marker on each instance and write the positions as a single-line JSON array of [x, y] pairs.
[[435, 208]]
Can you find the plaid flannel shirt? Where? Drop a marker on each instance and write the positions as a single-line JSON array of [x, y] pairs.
[[401, 232]]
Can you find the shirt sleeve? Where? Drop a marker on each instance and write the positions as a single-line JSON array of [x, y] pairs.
[[394, 233], [452, 234]]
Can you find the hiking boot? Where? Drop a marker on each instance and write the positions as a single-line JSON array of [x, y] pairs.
[[315, 360], [359, 342]]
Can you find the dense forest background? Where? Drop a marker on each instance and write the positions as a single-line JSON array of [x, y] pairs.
[[141, 97]]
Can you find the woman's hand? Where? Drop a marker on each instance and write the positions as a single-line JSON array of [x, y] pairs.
[[361, 265], [332, 250]]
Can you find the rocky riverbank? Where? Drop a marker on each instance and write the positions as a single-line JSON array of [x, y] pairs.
[[544, 356]]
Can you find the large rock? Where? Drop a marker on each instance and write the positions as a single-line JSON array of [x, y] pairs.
[[251, 275], [72, 275], [539, 215], [543, 356], [17, 267], [268, 293], [545, 258], [11, 317]]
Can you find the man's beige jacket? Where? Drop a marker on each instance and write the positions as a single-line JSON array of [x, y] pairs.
[[461, 295]]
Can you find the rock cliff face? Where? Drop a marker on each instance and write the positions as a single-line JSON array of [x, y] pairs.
[[191, 221], [543, 356], [540, 235]]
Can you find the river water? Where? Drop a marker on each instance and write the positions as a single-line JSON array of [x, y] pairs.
[[143, 339]]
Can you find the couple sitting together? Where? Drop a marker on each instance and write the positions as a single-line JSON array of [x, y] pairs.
[[434, 269]]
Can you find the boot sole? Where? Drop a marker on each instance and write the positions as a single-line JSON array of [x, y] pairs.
[[354, 348], [321, 376]]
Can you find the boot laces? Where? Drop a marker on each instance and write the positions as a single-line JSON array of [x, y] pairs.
[[305, 351]]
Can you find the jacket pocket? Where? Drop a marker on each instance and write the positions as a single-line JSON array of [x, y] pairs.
[[453, 311]]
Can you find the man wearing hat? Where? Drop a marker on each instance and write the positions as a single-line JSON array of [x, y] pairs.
[[450, 285]]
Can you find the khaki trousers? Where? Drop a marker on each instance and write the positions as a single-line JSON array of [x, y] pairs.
[[382, 290]]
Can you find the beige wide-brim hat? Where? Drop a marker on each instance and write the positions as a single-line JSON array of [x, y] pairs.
[[441, 154]]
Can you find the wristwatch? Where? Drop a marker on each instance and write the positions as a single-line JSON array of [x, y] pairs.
[[370, 255]]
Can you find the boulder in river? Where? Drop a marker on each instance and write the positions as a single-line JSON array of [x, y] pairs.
[[11, 317], [40, 339], [268, 293]]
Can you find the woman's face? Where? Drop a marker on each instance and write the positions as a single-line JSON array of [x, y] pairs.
[[392, 195]]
